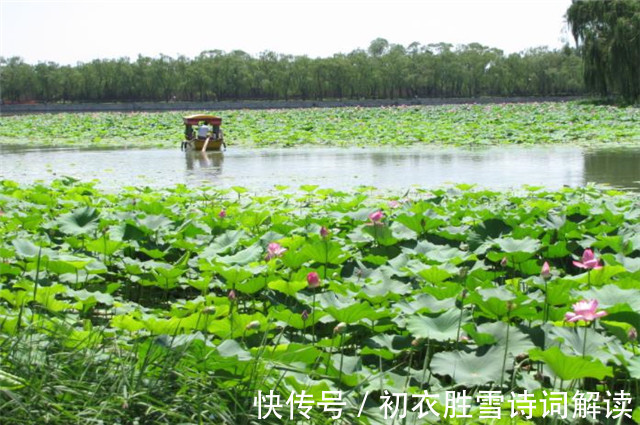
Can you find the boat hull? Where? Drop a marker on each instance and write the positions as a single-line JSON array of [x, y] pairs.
[[198, 144]]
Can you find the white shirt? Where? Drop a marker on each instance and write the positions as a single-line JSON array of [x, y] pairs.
[[203, 130]]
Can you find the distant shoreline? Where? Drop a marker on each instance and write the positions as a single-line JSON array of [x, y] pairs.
[[17, 109]]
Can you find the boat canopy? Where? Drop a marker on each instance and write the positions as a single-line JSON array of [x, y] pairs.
[[196, 119]]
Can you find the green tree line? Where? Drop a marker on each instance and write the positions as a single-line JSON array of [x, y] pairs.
[[383, 71]]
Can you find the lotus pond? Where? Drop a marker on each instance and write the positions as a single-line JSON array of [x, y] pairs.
[[533, 123], [340, 168], [183, 305]]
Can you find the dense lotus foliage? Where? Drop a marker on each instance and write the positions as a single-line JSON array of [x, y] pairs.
[[179, 305], [449, 124]]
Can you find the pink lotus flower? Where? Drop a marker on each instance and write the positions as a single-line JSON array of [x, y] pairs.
[[393, 204], [232, 295], [304, 315], [584, 310], [632, 334], [376, 217], [313, 280], [589, 261], [546, 271], [222, 214], [324, 232], [274, 250], [503, 262]]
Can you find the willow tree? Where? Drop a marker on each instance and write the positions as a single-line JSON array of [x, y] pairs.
[[608, 32]]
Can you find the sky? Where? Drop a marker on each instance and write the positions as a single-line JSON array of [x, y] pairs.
[[68, 32]]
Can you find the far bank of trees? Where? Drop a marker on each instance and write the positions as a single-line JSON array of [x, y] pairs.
[[383, 71]]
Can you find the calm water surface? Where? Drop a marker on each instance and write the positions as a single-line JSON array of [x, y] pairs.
[[494, 167]]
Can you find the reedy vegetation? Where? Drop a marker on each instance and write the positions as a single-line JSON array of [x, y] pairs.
[[163, 306]]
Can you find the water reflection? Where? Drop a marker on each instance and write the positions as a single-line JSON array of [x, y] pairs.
[[210, 161], [498, 167], [619, 165]]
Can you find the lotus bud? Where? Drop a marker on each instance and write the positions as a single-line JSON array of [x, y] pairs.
[[376, 217], [546, 271], [209, 310], [313, 279], [463, 272], [416, 342], [324, 232], [304, 315], [632, 334], [464, 339], [222, 214], [232, 295], [253, 325], [503, 262], [393, 204], [340, 328]]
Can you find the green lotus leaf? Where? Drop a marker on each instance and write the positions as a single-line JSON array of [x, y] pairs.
[[441, 253], [325, 252], [348, 368], [444, 327], [610, 296], [295, 319], [599, 277], [571, 367], [355, 313], [512, 246], [630, 317], [246, 256], [156, 254], [231, 348], [516, 342], [388, 289], [380, 233], [290, 353], [84, 295], [26, 249], [82, 221], [8, 269], [250, 286], [288, 287], [425, 303], [155, 222], [470, 369], [104, 246], [386, 346]]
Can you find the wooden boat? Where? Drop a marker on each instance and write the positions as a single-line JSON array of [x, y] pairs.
[[206, 136]]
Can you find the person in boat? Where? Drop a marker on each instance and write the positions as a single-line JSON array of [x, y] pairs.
[[203, 131], [189, 133]]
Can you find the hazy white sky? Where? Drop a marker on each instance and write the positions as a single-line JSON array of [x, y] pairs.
[[79, 31]]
